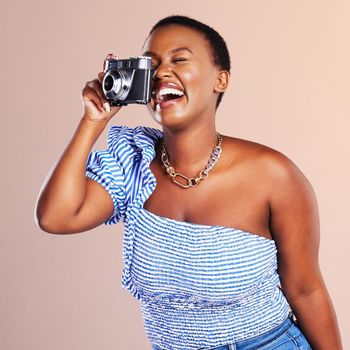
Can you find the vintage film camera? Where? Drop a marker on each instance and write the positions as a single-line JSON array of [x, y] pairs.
[[128, 80]]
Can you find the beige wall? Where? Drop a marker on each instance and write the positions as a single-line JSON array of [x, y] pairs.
[[290, 91]]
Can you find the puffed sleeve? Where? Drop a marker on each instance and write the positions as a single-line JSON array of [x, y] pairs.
[[103, 167], [123, 168]]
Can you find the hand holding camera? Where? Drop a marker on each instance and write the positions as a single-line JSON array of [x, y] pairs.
[[121, 83], [128, 81], [95, 103]]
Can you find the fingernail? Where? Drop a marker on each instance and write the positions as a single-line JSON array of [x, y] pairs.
[[107, 107]]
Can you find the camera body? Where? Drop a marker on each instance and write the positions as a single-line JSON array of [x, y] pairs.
[[128, 80]]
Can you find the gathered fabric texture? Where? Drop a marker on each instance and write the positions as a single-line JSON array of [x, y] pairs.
[[199, 286]]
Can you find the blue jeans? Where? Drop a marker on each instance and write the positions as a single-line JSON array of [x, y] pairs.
[[286, 336]]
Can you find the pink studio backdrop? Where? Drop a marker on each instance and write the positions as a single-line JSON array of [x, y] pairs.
[[289, 90]]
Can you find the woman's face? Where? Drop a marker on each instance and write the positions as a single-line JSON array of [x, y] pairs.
[[185, 78]]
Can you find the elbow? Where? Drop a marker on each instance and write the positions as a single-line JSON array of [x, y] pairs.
[[48, 226], [58, 226], [299, 292], [49, 221], [42, 221]]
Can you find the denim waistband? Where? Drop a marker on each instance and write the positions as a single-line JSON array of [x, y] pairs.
[[257, 341], [254, 342]]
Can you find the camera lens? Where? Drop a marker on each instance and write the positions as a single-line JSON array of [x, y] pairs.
[[108, 83], [116, 84]]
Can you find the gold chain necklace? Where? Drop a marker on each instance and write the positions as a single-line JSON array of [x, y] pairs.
[[192, 181]]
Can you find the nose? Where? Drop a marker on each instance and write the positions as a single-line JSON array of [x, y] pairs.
[[162, 71]]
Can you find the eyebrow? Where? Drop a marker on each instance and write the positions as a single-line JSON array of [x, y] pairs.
[[177, 49]]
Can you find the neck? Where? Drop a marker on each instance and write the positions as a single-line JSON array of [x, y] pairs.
[[189, 150]]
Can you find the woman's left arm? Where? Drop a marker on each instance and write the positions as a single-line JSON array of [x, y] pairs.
[[294, 223]]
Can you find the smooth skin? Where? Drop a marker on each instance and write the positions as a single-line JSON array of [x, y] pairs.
[[252, 186]]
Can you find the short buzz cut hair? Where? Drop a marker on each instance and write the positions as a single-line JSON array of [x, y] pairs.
[[217, 44]]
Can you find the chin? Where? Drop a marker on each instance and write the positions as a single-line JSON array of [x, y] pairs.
[[172, 118], [156, 115]]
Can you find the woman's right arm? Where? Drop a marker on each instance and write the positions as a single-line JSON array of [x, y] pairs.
[[68, 201]]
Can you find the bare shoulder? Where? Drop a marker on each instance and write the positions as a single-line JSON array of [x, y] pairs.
[[269, 163], [288, 193], [268, 168]]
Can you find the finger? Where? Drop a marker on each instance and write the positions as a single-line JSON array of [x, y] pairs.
[[112, 55], [89, 94], [100, 76], [109, 57], [97, 87], [100, 93], [90, 105]]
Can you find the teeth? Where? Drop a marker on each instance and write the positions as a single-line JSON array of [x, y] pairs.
[[167, 91]]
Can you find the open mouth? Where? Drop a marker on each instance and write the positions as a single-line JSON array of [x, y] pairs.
[[164, 96], [170, 97]]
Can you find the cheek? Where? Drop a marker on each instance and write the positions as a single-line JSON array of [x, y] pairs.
[[191, 77], [199, 83]]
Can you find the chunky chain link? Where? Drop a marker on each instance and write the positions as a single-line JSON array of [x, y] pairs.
[[192, 181]]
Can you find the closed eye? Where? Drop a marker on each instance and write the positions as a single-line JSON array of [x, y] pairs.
[[174, 60], [179, 59]]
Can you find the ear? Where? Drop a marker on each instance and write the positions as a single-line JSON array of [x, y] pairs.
[[222, 81]]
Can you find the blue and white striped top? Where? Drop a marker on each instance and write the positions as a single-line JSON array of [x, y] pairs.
[[199, 286]]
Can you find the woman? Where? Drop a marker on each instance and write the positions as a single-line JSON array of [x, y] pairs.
[[221, 234]]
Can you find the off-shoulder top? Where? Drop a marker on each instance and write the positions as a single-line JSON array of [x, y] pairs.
[[199, 286]]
